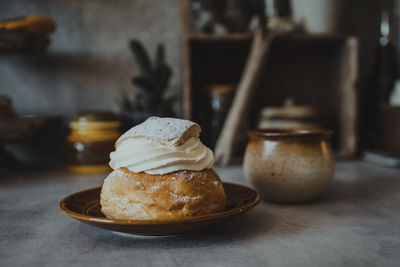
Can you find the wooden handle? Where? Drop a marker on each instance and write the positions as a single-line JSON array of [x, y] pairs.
[[246, 90]]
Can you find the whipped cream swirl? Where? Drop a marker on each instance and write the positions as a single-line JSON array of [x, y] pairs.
[[155, 156]]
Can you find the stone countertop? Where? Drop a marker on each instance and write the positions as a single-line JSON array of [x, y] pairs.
[[356, 223]]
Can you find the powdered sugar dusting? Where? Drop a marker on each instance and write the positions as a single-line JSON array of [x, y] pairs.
[[117, 172], [183, 198], [168, 129], [139, 184]]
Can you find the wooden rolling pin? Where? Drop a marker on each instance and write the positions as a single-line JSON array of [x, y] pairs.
[[246, 90]]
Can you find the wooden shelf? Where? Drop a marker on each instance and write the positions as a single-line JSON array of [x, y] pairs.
[[299, 37], [222, 37], [318, 70]]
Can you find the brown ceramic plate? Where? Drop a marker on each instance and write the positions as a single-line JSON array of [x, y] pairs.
[[85, 206]]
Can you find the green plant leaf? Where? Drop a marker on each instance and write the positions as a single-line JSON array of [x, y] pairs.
[[145, 84], [125, 101], [145, 101], [162, 71], [159, 57], [142, 58], [153, 81], [163, 74]]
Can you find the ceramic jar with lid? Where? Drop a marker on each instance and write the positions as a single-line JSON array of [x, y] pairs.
[[289, 165], [288, 116], [92, 138]]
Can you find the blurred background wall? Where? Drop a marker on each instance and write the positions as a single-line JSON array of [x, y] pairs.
[[88, 61]]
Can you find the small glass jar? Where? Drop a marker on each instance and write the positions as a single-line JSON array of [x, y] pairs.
[[221, 96], [92, 138]]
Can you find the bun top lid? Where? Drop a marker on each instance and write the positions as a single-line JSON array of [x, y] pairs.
[[172, 130]]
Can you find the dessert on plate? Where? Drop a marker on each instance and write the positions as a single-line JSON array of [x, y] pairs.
[[161, 170]]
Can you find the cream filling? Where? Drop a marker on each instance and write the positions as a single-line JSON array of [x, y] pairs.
[[156, 157]]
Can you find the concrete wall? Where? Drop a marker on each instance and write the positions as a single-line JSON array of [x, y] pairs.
[[88, 61]]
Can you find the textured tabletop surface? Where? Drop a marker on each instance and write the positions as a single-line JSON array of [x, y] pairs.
[[356, 223]]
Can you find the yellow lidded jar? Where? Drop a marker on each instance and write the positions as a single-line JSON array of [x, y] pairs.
[[92, 138]]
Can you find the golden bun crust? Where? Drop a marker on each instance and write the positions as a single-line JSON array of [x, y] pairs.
[[141, 196]]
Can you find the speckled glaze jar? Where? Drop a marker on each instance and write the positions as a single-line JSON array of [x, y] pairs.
[[289, 166]]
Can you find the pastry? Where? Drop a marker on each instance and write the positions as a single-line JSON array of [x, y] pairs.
[[161, 170]]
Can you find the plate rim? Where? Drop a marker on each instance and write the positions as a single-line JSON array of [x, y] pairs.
[[216, 215]]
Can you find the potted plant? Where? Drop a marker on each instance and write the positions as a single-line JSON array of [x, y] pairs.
[[151, 83]]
